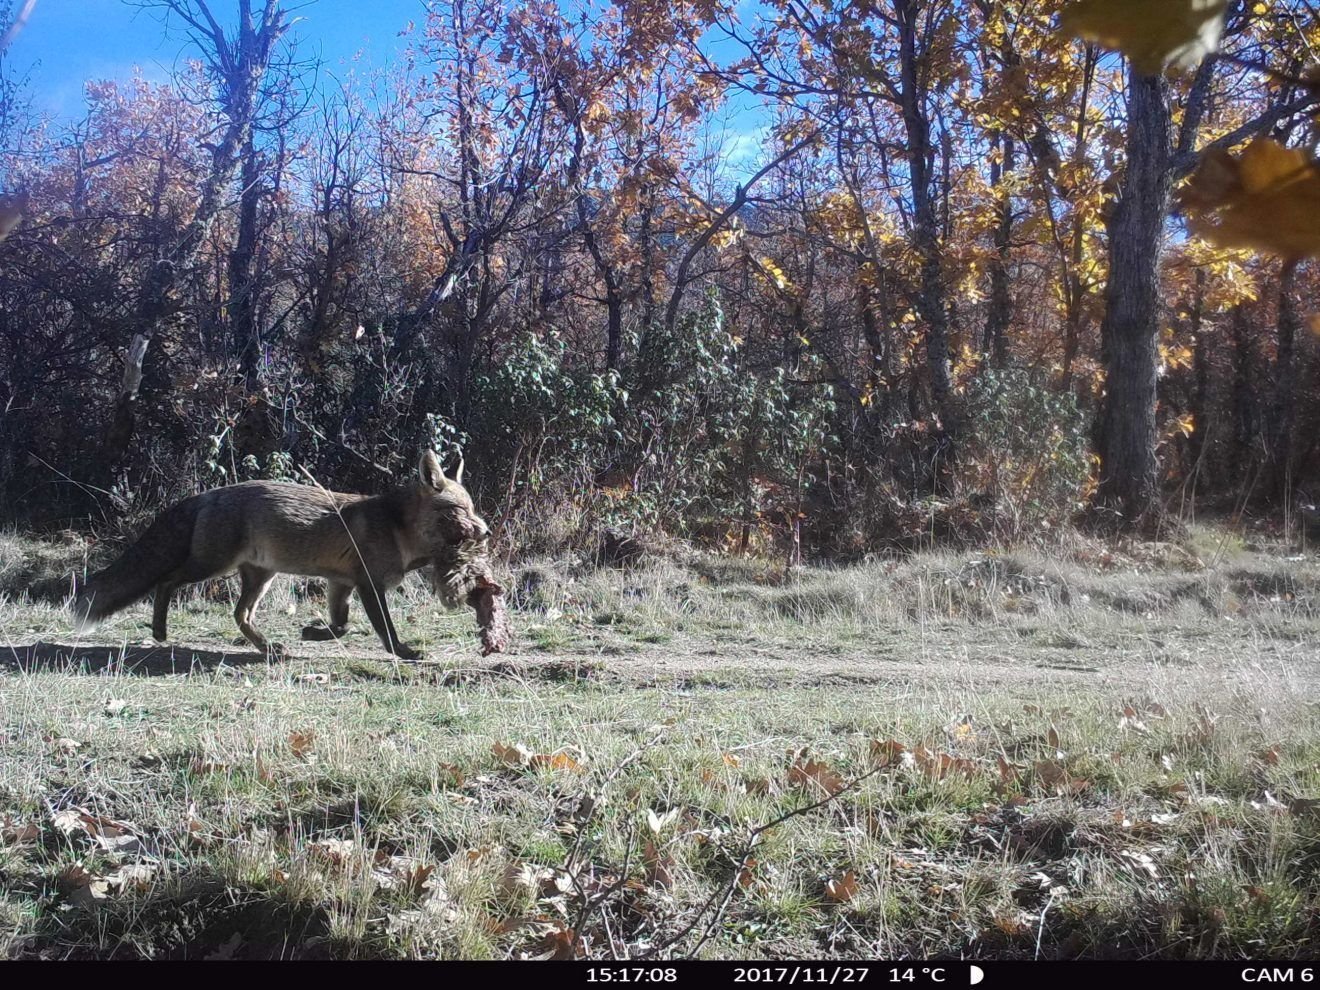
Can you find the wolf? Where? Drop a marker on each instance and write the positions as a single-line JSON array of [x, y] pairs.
[[264, 528]]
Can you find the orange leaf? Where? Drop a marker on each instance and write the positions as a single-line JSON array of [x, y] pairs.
[[813, 774], [843, 889]]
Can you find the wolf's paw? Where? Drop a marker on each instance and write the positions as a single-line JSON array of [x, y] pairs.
[[406, 652], [319, 632], [278, 651]]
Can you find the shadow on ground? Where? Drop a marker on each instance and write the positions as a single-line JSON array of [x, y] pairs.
[[202, 918], [141, 661]]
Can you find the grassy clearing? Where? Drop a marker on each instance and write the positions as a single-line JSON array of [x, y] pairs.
[[1107, 753]]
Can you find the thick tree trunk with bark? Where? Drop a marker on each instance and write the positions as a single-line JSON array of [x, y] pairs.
[[931, 300], [1129, 472]]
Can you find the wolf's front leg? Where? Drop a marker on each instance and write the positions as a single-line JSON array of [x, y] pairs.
[[373, 603]]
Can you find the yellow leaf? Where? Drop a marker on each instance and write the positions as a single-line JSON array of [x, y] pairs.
[[554, 761], [1267, 198], [1152, 35]]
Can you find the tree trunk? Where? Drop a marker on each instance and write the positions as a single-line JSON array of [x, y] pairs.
[[931, 296], [242, 64], [1000, 311], [1282, 411], [1129, 471], [1244, 399], [1200, 376], [245, 339]]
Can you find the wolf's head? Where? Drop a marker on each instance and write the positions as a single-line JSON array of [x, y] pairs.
[[447, 516]]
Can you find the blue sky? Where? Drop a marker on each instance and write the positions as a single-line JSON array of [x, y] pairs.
[[67, 42]]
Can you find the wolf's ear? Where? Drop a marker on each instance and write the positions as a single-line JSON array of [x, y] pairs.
[[430, 472], [458, 474]]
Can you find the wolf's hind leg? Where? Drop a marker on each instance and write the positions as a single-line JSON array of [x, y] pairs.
[[160, 610], [255, 582], [192, 571], [337, 599]]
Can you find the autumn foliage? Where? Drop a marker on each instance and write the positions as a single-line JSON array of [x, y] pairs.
[[820, 280]]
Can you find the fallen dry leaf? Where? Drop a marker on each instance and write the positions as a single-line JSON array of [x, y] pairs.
[[843, 889], [659, 866], [516, 755], [890, 753], [1055, 777], [338, 852], [554, 761], [14, 833], [301, 742], [1141, 860], [656, 823], [407, 874], [558, 944], [937, 766], [72, 821], [82, 888], [747, 875], [816, 775]]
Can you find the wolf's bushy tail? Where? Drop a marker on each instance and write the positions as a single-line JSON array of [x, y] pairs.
[[163, 548]]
